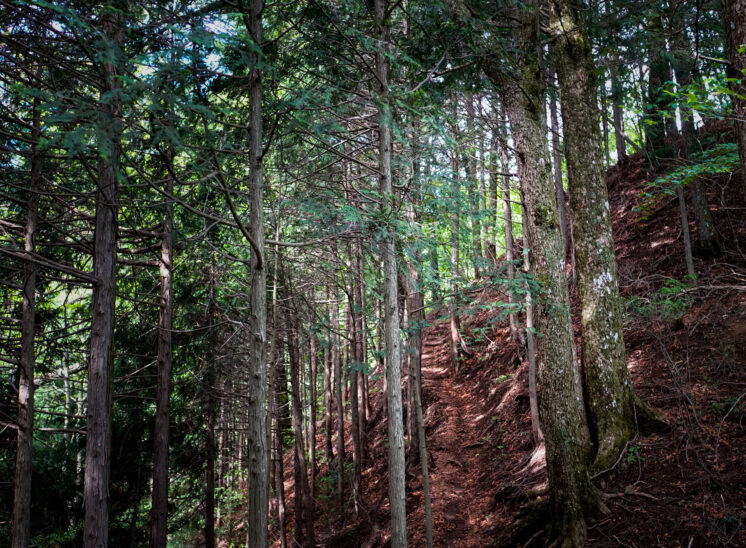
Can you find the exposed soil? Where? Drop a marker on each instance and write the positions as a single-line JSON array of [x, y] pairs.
[[683, 488]]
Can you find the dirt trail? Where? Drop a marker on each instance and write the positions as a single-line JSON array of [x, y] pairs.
[[461, 504]]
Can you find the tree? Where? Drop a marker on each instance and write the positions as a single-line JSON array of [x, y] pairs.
[[98, 423], [573, 499], [614, 407], [390, 299]]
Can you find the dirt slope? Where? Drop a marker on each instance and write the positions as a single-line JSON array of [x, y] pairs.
[[683, 488]]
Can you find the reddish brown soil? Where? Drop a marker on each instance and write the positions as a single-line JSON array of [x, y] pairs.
[[685, 488]]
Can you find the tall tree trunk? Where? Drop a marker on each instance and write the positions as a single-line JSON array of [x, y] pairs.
[[515, 330], [533, 393], [424, 464], [455, 270], [657, 102], [617, 108], [734, 22], [159, 510], [685, 231], [21, 523], [304, 533], [257, 387], [354, 408], [210, 403], [397, 485], [103, 300], [337, 365], [313, 361], [328, 398], [470, 163], [573, 498], [361, 359], [614, 407], [559, 189]]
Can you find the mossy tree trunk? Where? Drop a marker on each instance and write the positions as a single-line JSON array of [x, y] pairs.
[[573, 498], [611, 399]]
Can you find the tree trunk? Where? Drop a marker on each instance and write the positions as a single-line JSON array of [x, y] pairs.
[[103, 300], [455, 270], [734, 22], [159, 510], [257, 386], [397, 486], [573, 498], [685, 231], [313, 361], [470, 163], [533, 393], [657, 102], [515, 330], [210, 403], [21, 524], [327, 382], [613, 405], [352, 364], [336, 361], [617, 108], [559, 189], [304, 533]]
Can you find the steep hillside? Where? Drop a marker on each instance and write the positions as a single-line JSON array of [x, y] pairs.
[[686, 347]]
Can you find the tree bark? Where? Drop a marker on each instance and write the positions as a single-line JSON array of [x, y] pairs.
[[397, 495], [103, 300], [559, 189], [258, 502], [159, 510], [617, 108], [613, 405], [515, 330], [21, 521], [304, 533], [336, 362], [572, 496], [733, 14]]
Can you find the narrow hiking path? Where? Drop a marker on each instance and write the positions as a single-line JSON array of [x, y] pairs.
[[462, 502]]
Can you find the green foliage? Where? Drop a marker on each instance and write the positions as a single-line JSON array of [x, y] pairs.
[[633, 455], [719, 159], [668, 304]]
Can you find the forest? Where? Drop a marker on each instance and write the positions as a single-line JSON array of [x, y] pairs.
[[376, 273]]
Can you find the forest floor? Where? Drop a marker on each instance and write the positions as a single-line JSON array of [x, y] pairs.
[[686, 348]]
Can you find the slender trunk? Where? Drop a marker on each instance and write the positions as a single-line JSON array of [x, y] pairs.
[[359, 289], [397, 485], [313, 359], [685, 231], [336, 362], [424, 465], [100, 366], [352, 364], [533, 393], [617, 96], [328, 398], [159, 510], [258, 502], [455, 271], [21, 524], [210, 415], [278, 363], [734, 22], [470, 163], [304, 533], [605, 121], [559, 190], [515, 330]]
